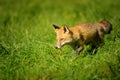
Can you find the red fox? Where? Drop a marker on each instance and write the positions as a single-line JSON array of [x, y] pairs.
[[81, 34]]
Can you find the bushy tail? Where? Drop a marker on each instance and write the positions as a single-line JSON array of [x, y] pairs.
[[107, 26]]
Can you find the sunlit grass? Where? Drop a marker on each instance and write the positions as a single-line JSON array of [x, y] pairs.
[[27, 40]]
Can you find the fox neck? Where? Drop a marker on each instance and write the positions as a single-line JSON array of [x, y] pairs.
[[75, 35]]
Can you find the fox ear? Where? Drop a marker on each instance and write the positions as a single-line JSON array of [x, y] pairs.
[[66, 29], [56, 27]]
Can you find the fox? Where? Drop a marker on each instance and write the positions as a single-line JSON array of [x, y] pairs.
[[81, 34]]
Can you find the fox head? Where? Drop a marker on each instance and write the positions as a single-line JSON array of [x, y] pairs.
[[64, 35], [107, 26]]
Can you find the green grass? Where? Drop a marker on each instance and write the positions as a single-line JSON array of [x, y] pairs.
[[27, 40]]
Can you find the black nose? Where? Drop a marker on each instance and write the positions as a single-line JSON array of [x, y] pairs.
[[56, 47]]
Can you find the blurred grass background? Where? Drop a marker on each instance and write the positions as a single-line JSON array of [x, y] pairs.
[[27, 40]]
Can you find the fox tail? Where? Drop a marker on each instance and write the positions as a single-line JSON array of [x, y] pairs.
[[107, 26]]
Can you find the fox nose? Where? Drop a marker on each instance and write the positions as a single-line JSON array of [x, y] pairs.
[[57, 47]]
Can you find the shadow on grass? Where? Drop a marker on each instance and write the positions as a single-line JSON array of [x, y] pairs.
[[3, 50], [90, 50]]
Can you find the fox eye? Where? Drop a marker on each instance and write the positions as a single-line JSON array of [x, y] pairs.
[[61, 38]]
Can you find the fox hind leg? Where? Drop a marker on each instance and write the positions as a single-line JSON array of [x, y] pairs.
[[97, 42]]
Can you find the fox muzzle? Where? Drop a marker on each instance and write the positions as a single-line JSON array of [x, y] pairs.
[[57, 47]]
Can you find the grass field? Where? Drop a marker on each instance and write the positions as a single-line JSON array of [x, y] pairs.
[[27, 40]]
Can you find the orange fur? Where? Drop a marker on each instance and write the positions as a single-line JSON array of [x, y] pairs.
[[81, 34]]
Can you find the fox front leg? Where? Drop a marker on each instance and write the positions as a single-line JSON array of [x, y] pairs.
[[77, 49]]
